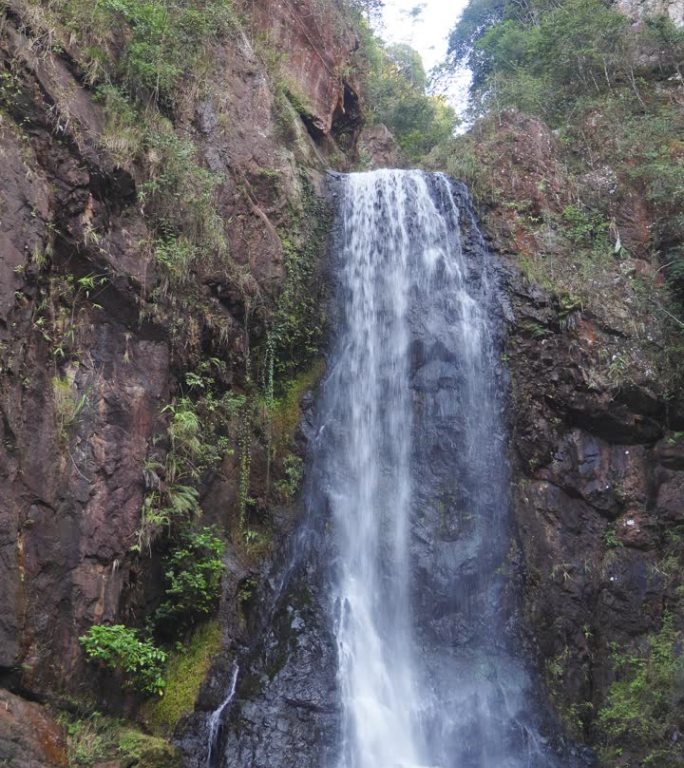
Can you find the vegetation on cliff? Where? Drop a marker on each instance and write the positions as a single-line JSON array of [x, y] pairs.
[[166, 310], [179, 239], [397, 96], [611, 88]]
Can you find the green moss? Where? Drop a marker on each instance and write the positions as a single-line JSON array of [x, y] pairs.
[[284, 410], [147, 751], [185, 672], [99, 738]]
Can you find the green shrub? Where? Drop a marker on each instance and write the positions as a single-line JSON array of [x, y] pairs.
[[194, 567], [118, 647], [584, 227], [643, 709]]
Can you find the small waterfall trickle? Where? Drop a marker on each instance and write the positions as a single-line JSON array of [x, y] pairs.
[[216, 717]]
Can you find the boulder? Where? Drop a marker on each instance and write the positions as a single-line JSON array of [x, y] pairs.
[[29, 736]]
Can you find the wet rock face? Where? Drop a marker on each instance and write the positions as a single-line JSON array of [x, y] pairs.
[[86, 489], [596, 489], [287, 709], [29, 737]]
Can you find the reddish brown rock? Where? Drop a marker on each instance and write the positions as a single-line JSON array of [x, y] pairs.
[[378, 146], [637, 529], [73, 475], [315, 50], [23, 214], [29, 737], [522, 152]]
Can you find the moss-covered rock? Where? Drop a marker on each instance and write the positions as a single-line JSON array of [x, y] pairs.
[[98, 741], [185, 672]]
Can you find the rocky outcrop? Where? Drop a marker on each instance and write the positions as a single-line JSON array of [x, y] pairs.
[[596, 411], [378, 147], [642, 9], [598, 487], [312, 50]]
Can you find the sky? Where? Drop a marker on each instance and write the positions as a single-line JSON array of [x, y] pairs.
[[425, 26]]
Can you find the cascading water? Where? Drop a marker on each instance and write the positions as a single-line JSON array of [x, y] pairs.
[[394, 643], [415, 474], [216, 716]]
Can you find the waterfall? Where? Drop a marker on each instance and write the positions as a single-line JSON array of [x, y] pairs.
[[214, 722], [414, 471], [394, 641]]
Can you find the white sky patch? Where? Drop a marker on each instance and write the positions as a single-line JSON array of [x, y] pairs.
[[425, 25]]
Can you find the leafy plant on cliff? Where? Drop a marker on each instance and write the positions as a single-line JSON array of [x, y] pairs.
[[67, 404], [643, 709], [192, 577], [198, 440], [119, 648], [545, 59]]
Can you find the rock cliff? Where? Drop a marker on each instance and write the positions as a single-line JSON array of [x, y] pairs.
[[161, 238], [98, 328]]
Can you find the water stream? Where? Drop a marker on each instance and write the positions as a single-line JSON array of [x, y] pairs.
[[395, 643], [417, 484], [216, 717]]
